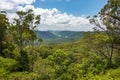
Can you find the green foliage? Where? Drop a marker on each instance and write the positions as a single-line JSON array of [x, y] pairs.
[[74, 71], [45, 51], [94, 65], [22, 76], [8, 64], [113, 74], [59, 57], [42, 67], [11, 51], [3, 72], [24, 62]]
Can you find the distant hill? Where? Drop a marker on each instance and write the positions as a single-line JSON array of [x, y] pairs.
[[46, 35], [59, 36]]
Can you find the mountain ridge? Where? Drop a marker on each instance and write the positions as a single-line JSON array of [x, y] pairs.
[[54, 37]]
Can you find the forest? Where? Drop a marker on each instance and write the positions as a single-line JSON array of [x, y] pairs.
[[95, 56]]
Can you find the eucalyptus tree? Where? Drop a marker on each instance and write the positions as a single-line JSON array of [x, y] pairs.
[[24, 27], [3, 29], [110, 16], [108, 23]]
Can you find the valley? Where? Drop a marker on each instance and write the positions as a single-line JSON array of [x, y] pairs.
[[55, 37]]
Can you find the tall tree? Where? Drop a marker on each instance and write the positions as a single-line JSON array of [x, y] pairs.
[[3, 29], [108, 23], [24, 27]]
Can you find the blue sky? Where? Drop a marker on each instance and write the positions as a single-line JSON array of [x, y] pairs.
[[57, 14], [75, 7]]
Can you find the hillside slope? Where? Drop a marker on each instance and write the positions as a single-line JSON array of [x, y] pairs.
[[59, 36]]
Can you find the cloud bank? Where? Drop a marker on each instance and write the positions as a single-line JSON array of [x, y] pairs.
[[51, 19]]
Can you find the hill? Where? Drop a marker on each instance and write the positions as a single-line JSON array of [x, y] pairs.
[[59, 36]]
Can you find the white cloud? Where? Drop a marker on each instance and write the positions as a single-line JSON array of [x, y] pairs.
[[13, 4], [51, 19], [7, 5], [23, 1]]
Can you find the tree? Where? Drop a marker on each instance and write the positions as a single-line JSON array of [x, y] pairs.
[[108, 24], [24, 26], [59, 61], [3, 30], [24, 33]]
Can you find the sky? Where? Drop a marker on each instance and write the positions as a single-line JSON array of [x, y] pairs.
[[75, 7], [57, 14]]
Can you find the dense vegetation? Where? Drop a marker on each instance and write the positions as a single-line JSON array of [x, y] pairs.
[[96, 56]]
